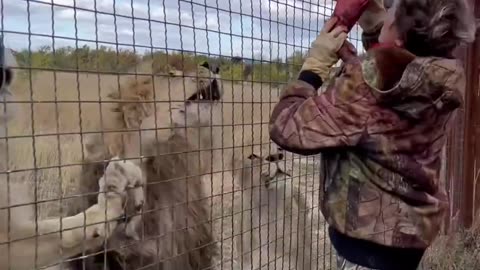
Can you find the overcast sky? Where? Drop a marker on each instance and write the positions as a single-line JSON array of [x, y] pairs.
[[248, 28]]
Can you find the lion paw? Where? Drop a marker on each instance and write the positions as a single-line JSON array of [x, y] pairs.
[[95, 224], [121, 176]]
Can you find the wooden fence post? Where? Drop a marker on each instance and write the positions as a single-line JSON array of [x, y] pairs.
[[471, 165]]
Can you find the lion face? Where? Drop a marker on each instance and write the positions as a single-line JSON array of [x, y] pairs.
[[195, 114], [208, 83], [272, 169]]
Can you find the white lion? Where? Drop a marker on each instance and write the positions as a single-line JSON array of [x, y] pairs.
[[27, 242], [274, 215]]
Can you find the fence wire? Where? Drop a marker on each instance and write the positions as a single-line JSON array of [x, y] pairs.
[[101, 79]]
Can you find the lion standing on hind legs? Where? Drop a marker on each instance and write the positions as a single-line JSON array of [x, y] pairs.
[[133, 116], [175, 227], [176, 216]]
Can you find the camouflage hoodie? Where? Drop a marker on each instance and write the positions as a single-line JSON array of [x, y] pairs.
[[380, 126]]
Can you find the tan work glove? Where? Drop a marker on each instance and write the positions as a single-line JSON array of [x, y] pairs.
[[323, 53], [373, 17]]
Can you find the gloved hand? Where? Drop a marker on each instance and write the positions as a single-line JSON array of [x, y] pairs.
[[323, 53], [372, 18]]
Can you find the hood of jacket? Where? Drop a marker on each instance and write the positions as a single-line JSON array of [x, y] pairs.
[[415, 87]]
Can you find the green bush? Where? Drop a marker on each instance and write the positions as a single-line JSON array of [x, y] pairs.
[[275, 73], [85, 59], [105, 59], [165, 63], [232, 72]]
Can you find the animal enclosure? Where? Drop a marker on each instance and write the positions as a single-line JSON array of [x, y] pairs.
[[181, 89]]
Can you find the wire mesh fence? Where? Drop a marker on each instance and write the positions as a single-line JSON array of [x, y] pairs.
[[98, 80]]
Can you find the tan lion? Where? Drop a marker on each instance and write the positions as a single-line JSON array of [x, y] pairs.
[[274, 215], [27, 241]]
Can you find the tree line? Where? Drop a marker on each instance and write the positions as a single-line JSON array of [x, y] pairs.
[[109, 60]]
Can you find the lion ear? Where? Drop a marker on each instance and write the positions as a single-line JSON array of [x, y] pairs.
[[205, 65], [274, 157]]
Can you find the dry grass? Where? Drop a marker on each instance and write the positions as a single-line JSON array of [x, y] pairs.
[[459, 250]]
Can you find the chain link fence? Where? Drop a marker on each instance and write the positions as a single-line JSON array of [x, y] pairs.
[[100, 79]]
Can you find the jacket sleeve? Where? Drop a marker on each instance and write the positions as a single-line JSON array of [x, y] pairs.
[[306, 123]]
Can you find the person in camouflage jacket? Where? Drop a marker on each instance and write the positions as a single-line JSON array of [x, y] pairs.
[[380, 127]]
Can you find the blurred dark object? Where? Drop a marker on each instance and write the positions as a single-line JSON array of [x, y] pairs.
[[2, 53], [237, 59], [247, 71], [5, 75], [7, 65], [349, 11], [388, 3]]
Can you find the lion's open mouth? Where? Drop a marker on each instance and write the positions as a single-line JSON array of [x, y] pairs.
[[279, 177], [211, 92]]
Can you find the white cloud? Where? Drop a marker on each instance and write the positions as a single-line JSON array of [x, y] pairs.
[[59, 2], [271, 28], [66, 14], [212, 23]]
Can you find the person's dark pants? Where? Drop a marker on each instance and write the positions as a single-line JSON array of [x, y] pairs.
[[343, 264], [357, 254]]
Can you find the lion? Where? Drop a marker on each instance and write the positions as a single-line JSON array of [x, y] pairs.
[[26, 241], [143, 121], [175, 224], [138, 117], [55, 158], [274, 215]]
